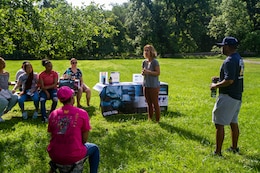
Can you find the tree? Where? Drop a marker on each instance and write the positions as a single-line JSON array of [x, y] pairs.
[[139, 24], [20, 22], [172, 26], [53, 29], [253, 9], [231, 21]]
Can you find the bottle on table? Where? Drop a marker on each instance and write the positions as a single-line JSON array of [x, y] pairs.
[[110, 80]]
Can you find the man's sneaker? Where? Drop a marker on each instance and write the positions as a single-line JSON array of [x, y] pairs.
[[1, 120], [35, 115], [24, 115], [234, 150]]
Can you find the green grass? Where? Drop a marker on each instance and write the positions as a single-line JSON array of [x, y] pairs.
[[182, 142]]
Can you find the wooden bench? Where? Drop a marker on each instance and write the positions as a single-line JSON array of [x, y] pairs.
[[75, 87]]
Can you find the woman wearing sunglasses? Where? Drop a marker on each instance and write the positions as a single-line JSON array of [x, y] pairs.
[[75, 73]]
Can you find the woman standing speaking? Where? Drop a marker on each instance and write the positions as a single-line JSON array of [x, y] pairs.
[[151, 83]]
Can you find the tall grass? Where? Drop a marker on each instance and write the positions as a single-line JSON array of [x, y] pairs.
[[182, 142]]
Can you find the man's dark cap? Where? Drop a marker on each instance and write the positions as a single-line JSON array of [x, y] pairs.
[[231, 41]]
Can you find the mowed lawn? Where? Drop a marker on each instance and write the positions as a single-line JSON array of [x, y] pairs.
[[182, 142]]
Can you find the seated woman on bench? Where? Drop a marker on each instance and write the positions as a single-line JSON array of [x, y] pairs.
[[29, 83], [75, 73], [48, 80], [7, 99]]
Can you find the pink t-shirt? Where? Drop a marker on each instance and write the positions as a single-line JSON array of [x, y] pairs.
[[66, 125], [48, 78]]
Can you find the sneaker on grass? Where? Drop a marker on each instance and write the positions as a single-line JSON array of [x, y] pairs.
[[234, 150], [217, 154], [45, 120], [35, 115], [25, 115], [1, 120]]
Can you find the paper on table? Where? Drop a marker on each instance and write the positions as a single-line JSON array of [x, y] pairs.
[[138, 78]]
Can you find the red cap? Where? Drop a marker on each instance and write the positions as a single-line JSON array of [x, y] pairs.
[[64, 93]]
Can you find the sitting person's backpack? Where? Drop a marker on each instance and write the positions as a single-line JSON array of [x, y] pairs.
[[67, 82]]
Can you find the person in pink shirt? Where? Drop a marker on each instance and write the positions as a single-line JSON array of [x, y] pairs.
[[48, 80], [69, 127]]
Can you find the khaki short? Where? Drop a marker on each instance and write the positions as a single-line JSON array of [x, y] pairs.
[[226, 110]]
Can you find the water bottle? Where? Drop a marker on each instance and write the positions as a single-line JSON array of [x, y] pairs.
[[214, 91], [69, 74], [104, 80], [110, 80]]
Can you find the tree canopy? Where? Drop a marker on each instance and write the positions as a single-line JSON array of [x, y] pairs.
[[54, 29]]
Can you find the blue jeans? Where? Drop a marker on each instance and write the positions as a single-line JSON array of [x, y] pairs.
[[93, 154], [43, 98], [7, 104], [23, 98]]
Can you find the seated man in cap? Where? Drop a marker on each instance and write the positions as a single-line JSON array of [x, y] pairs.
[[69, 127]]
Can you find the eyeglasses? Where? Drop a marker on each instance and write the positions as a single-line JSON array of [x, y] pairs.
[[74, 62]]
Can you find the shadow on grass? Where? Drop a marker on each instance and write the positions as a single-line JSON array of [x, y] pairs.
[[13, 148], [254, 162], [10, 123], [18, 152], [172, 114], [139, 117], [126, 117], [185, 134], [90, 109], [122, 146]]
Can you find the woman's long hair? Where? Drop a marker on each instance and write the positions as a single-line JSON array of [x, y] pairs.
[[151, 49], [28, 83]]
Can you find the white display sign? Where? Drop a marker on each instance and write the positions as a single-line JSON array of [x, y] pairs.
[[115, 77], [103, 77]]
